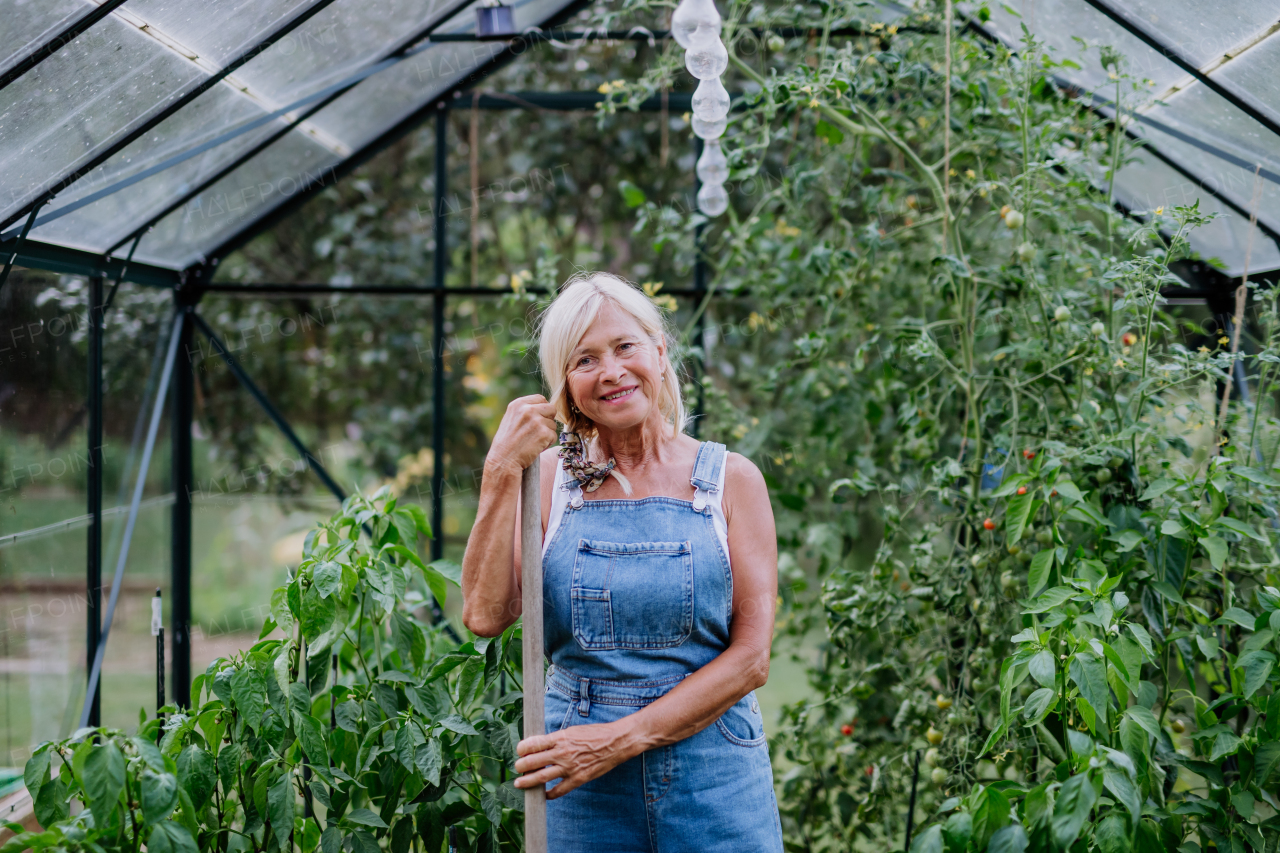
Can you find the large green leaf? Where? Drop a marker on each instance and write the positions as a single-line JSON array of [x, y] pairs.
[[1071, 810], [1040, 570], [364, 817], [1043, 668], [1038, 705], [1050, 599], [957, 831], [1112, 834], [1216, 548], [990, 812], [1016, 515], [170, 837], [1265, 759], [1087, 671], [1125, 792], [1009, 839], [280, 807], [104, 777], [249, 688], [197, 773], [929, 841], [159, 795], [1257, 667], [317, 614], [311, 736], [428, 759]]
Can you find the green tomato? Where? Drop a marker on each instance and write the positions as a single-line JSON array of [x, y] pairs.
[[1103, 476], [1044, 537]]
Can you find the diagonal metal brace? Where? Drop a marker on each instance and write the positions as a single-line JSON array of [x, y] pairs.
[[271, 410]]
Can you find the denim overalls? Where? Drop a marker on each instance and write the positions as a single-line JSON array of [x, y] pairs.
[[638, 595]]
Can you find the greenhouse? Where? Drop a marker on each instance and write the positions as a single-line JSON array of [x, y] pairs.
[[980, 292]]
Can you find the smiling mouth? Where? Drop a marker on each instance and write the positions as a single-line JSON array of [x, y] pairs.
[[619, 395]]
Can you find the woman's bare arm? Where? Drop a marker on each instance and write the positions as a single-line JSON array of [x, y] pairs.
[[582, 753], [490, 579]]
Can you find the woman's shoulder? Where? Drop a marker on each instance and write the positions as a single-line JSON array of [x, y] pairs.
[[742, 474]]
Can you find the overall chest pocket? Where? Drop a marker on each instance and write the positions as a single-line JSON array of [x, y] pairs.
[[632, 595]]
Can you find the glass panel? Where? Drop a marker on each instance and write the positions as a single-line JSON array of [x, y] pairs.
[[216, 30], [1256, 72], [1184, 26], [378, 103], [286, 168], [337, 42], [1147, 183], [26, 25], [77, 101], [1059, 23], [105, 222], [43, 464]]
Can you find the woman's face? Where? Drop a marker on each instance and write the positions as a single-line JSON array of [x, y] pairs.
[[615, 371]]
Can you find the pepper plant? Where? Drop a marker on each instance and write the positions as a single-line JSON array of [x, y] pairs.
[[352, 725]]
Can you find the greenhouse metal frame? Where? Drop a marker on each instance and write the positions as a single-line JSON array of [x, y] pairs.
[[235, 118]]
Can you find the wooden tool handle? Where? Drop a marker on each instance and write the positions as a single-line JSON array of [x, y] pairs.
[[535, 799]]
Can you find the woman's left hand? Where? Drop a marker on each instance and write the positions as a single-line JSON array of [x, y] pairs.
[[576, 755]]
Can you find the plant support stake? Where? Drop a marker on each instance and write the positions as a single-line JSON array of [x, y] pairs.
[[535, 798]]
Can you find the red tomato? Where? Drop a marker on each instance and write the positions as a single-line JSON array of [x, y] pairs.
[[989, 524], [1029, 454], [846, 730], [1022, 490]]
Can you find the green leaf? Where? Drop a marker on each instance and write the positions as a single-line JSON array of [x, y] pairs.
[[429, 760], [470, 681], [50, 803], [1144, 639], [990, 813], [1169, 527], [451, 571], [408, 640], [248, 688], [1235, 525], [280, 807], [929, 841], [419, 516], [1069, 490], [1265, 759], [104, 777], [1049, 599], [632, 195], [1038, 705], [1126, 793], [1127, 540], [170, 837], [1144, 718], [992, 739], [317, 614], [1157, 488], [1087, 672], [311, 736], [1071, 811], [36, 772], [1116, 661], [159, 795], [1257, 667], [326, 578], [1236, 615], [1043, 668], [456, 723], [1226, 743], [1254, 475], [957, 831], [1038, 573], [1112, 834], [364, 817], [197, 774], [828, 132], [1016, 515], [1216, 548], [1010, 839]]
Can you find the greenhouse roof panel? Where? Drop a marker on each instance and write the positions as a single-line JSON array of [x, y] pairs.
[[161, 113], [196, 120], [1223, 153]]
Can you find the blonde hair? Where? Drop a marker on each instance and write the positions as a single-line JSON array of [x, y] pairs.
[[566, 320]]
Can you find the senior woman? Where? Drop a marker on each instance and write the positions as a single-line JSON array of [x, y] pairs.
[[659, 582]]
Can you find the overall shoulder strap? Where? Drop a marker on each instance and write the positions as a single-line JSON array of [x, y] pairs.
[[708, 473]]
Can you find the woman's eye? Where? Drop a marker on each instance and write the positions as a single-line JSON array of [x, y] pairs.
[[625, 347]]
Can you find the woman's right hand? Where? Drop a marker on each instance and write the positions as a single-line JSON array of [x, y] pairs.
[[528, 427]]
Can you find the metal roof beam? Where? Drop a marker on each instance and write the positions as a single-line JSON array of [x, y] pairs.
[[389, 136], [60, 259], [64, 37], [399, 48], [190, 95], [1242, 103]]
